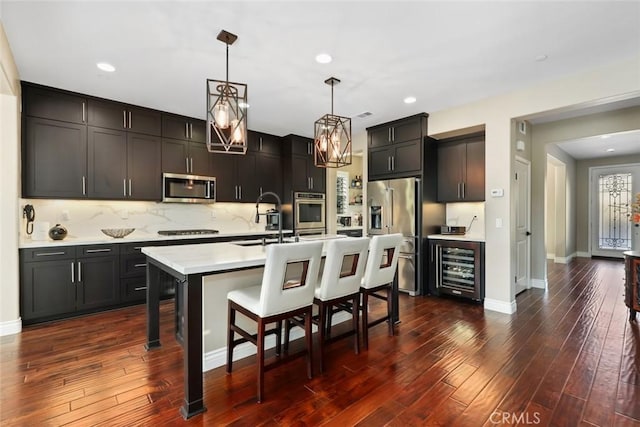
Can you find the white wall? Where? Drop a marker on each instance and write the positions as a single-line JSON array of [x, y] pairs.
[[9, 184], [614, 81]]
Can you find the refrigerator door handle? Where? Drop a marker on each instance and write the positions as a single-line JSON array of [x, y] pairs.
[[391, 224]]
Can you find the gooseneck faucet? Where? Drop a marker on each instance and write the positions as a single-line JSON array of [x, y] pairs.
[[278, 206]]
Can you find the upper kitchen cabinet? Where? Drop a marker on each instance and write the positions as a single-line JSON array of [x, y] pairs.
[[263, 143], [461, 169], [299, 170], [395, 148], [235, 177], [54, 156], [183, 128], [114, 115], [124, 165], [183, 146], [51, 104]]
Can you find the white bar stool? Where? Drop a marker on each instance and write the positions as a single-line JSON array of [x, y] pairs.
[[382, 264], [278, 298], [344, 266]]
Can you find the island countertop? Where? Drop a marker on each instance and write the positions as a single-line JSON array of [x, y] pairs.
[[215, 257]]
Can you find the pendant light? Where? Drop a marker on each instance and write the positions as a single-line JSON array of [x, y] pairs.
[[226, 110], [332, 137]]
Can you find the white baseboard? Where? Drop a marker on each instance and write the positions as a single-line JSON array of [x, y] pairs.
[[10, 327], [566, 259], [218, 357], [500, 306], [551, 256], [583, 254], [539, 283]]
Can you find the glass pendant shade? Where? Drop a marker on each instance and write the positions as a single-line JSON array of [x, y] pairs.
[[332, 138], [226, 111]]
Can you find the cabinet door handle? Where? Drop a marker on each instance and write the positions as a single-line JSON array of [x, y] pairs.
[[124, 187], [389, 134], [83, 113], [50, 253], [190, 130], [261, 190], [186, 130], [463, 189], [129, 119], [186, 161], [260, 144], [389, 163], [312, 183], [79, 271], [393, 134], [73, 272], [140, 265], [240, 192], [191, 164], [129, 187], [393, 163], [141, 288], [124, 119], [84, 186], [95, 251]]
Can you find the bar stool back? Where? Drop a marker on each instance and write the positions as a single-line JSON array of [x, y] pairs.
[[344, 266], [278, 298], [379, 274]]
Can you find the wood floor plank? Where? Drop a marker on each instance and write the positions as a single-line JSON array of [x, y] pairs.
[[568, 356]]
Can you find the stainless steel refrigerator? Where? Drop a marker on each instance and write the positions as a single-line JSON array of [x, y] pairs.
[[393, 207]]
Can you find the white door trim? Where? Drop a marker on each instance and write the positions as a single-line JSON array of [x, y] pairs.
[[527, 273]]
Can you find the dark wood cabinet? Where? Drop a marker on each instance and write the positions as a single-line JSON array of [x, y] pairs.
[[461, 169], [456, 268], [395, 148], [54, 159], [188, 157], [124, 165], [300, 172], [118, 116], [269, 174], [184, 128], [264, 143], [236, 177], [51, 104], [61, 282]]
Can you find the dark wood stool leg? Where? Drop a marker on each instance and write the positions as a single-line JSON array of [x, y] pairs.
[[365, 320], [390, 311], [232, 321], [260, 345], [287, 332], [632, 314], [356, 324], [309, 338], [322, 329], [278, 337]]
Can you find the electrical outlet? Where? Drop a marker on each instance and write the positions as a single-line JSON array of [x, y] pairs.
[[124, 214], [65, 215], [498, 222]]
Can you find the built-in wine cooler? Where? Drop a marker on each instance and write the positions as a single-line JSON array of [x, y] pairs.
[[457, 268]]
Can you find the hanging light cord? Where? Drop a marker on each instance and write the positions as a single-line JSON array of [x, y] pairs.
[[332, 97]]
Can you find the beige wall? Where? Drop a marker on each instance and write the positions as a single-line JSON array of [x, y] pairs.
[[610, 82], [9, 188]]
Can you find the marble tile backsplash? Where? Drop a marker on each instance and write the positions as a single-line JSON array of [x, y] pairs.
[[85, 218]]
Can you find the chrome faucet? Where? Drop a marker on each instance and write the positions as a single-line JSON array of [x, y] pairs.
[[278, 207]]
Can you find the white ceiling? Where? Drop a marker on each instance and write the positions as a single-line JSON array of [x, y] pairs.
[[443, 53], [623, 144]]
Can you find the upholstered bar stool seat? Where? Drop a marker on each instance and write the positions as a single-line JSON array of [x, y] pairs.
[[377, 282], [287, 289]]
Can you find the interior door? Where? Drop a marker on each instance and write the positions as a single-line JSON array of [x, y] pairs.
[[523, 224], [613, 190]]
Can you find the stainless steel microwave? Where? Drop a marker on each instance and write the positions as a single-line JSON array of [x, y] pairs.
[[179, 188]]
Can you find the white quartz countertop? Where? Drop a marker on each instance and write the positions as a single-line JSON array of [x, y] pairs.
[[136, 236], [464, 237], [208, 257]]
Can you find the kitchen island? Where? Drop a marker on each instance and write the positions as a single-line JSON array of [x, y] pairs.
[[189, 264]]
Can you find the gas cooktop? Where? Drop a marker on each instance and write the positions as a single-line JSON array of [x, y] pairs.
[[186, 232]]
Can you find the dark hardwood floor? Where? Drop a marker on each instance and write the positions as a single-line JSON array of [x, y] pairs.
[[567, 357]]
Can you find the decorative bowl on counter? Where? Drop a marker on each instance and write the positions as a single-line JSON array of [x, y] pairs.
[[117, 233]]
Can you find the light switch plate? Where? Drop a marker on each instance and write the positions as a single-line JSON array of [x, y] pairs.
[[498, 222], [497, 192]]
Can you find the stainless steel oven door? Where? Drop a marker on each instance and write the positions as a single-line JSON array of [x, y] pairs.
[[309, 213]]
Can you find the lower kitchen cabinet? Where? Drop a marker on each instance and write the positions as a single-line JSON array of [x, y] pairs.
[[456, 268], [133, 273], [61, 282]]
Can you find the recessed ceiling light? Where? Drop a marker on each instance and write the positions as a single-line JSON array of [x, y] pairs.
[[610, 150], [323, 58], [105, 66], [243, 105], [605, 136], [541, 58], [410, 100]]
